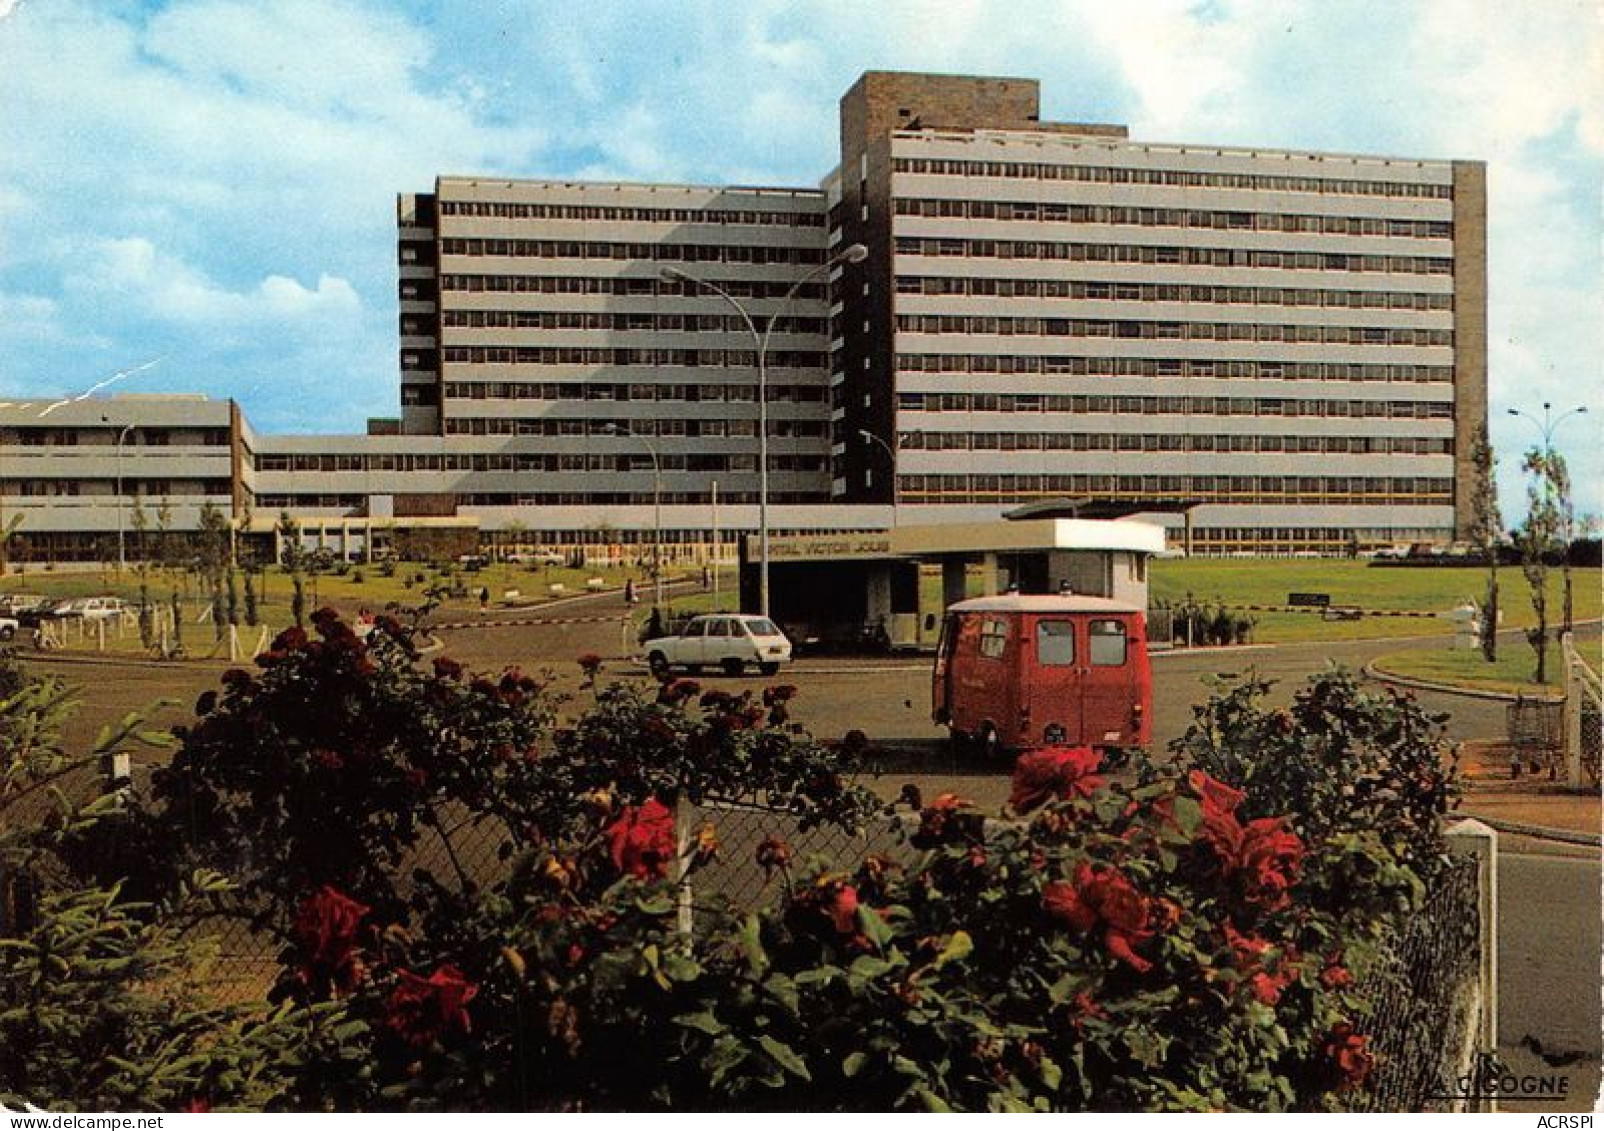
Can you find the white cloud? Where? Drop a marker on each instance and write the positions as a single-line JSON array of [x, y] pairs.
[[133, 272]]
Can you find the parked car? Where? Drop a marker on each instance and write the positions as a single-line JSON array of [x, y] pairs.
[[728, 640], [15, 604], [90, 608]]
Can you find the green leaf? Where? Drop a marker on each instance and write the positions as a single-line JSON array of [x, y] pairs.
[[853, 1064], [959, 947], [784, 1056], [1188, 815], [703, 1022]]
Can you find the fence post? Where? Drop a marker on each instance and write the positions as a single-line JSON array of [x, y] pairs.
[[684, 815], [1472, 838]]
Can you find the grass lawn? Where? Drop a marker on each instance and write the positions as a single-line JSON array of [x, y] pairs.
[[1464, 667], [361, 587], [1211, 581]]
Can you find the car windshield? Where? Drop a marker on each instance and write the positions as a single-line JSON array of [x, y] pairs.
[[761, 627]]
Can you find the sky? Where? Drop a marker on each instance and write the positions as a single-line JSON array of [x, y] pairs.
[[209, 185]]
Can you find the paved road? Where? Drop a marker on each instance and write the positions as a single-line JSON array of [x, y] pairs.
[[1549, 944]]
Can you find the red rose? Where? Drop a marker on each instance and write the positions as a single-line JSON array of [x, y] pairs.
[[1059, 772], [642, 840], [1348, 1056], [946, 820], [326, 926], [1336, 976], [842, 907], [1104, 899], [1269, 860], [421, 1010], [1217, 797]]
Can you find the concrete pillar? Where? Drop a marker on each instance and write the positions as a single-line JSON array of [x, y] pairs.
[[954, 583], [878, 596], [990, 580], [1472, 838]]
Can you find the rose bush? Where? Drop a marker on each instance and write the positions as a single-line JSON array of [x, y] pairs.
[[1167, 937]]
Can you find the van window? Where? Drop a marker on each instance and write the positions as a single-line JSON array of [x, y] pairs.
[[1055, 643], [1107, 643], [993, 638]]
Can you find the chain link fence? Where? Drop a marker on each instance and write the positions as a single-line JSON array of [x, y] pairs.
[[1423, 1011], [1584, 717]]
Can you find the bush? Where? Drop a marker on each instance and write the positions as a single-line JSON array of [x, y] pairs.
[[1182, 938]]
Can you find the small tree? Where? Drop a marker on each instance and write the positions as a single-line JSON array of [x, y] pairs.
[[293, 558], [213, 561], [140, 521], [1542, 535], [1486, 524]]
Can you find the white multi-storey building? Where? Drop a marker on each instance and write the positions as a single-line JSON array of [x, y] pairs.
[[1289, 346]]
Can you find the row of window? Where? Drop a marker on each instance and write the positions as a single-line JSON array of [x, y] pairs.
[[604, 391], [509, 426], [651, 287], [107, 437], [585, 320], [1172, 367], [602, 355], [1178, 331], [967, 285], [659, 252], [507, 211], [1171, 442], [1175, 218], [1299, 490], [1183, 178], [1076, 404], [952, 247]]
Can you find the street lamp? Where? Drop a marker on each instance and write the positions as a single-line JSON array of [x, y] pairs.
[[121, 436], [852, 253], [657, 506], [871, 438], [1547, 425]]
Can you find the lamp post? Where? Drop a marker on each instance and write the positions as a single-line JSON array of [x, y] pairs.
[[871, 438], [121, 436], [853, 253], [657, 507], [1546, 426]]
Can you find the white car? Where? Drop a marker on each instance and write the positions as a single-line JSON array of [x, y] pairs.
[[91, 608], [729, 640]]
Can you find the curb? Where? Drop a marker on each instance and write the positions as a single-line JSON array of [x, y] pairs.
[[1372, 672], [1537, 832]]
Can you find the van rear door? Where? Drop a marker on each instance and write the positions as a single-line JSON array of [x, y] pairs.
[[1109, 690], [1052, 684]]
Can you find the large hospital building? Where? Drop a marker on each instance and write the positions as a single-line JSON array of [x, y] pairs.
[[976, 310]]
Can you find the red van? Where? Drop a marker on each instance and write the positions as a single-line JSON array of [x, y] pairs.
[[1018, 672]]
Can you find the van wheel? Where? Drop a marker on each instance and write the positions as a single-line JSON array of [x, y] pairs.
[[988, 743], [769, 668], [658, 663], [732, 666]]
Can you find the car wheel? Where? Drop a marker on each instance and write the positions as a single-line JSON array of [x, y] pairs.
[[658, 663], [7, 632], [732, 666], [769, 668]]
